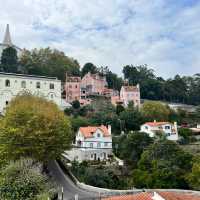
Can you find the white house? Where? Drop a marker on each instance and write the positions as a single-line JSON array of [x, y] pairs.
[[168, 129], [13, 84], [92, 143]]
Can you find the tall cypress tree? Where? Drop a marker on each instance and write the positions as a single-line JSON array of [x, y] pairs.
[[9, 60]]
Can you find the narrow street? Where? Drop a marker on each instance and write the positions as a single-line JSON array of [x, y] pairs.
[[69, 188]]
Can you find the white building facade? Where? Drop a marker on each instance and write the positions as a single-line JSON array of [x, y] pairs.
[[154, 129], [13, 84], [92, 143]]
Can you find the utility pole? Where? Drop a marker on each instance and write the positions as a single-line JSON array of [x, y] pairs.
[[62, 195], [76, 197]]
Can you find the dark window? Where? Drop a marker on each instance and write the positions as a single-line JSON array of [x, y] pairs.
[[38, 85], [23, 84], [7, 83], [6, 102], [51, 86]]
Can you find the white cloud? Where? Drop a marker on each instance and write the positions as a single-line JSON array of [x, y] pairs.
[[110, 32]]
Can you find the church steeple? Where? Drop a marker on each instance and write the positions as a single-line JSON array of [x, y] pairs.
[[7, 38]]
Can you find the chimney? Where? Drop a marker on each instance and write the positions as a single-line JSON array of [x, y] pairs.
[[109, 129], [138, 86], [198, 126], [154, 121], [176, 128]]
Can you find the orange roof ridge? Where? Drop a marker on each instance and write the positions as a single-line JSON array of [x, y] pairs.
[[89, 130], [157, 123]]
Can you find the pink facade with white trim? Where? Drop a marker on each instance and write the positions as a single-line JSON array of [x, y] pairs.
[[93, 83], [72, 88], [127, 94], [130, 94]]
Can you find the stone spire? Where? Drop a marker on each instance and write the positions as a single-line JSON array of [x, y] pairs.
[[7, 38]]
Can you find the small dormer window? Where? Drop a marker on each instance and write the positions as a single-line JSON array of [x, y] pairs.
[[98, 135], [98, 145]]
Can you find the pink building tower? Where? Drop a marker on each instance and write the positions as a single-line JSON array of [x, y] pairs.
[[72, 88], [93, 84], [130, 94]]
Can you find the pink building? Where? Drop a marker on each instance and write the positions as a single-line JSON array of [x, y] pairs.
[[130, 94], [115, 100], [93, 84], [127, 94], [72, 88]]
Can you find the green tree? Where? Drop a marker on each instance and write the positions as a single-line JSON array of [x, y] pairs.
[[78, 122], [89, 67], [163, 165], [119, 109], [186, 134], [48, 62], [9, 60], [114, 82], [76, 104], [23, 180], [34, 127], [131, 118], [131, 146], [155, 111], [193, 177]]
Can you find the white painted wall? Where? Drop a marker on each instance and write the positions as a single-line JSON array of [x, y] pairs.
[[7, 93], [86, 148], [171, 135]]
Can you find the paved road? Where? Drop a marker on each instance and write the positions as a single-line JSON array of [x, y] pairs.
[[69, 188]]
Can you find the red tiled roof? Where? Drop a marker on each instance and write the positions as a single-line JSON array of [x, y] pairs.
[[149, 196], [178, 196], [156, 123], [130, 88], [89, 130], [140, 196]]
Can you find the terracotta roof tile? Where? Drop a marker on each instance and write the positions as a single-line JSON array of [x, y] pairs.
[[130, 88], [89, 130], [178, 196], [156, 123], [140, 196], [149, 196]]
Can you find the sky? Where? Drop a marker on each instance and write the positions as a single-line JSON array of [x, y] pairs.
[[165, 34]]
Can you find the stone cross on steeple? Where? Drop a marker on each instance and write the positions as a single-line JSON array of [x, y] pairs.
[[7, 38]]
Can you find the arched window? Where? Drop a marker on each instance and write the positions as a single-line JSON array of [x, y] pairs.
[[23, 84], [38, 85], [51, 86], [7, 83]]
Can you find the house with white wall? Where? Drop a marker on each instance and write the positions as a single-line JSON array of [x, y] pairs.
[[92, 143], [154, 129], [13, 84]]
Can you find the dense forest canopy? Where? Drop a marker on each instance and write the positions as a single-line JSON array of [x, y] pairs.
[[51, 62]]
